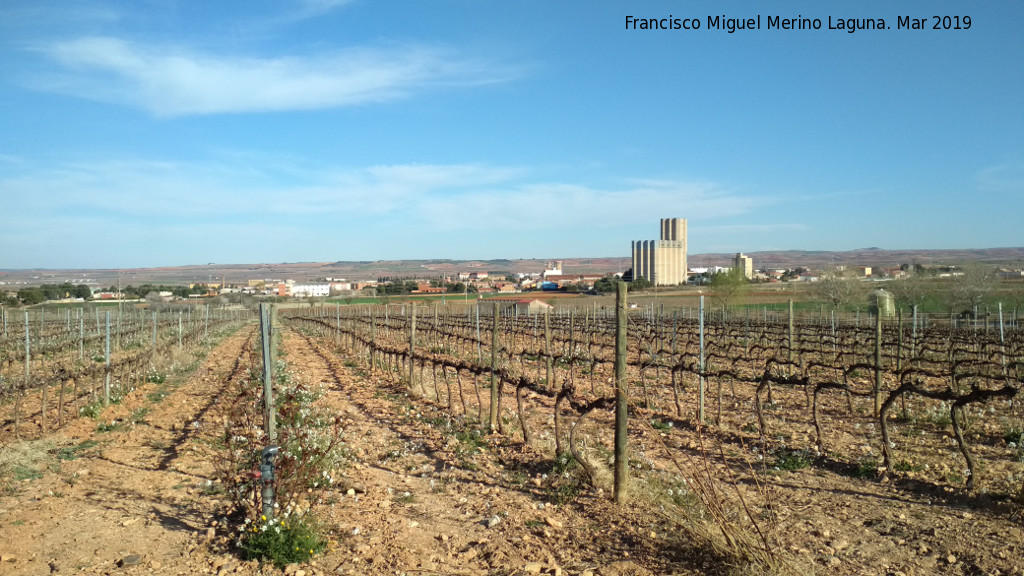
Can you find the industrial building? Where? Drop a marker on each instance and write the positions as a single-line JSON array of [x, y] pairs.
[[662, 262], [744, 263]]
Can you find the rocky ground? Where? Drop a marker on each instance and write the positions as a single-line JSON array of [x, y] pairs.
[[134, 492]]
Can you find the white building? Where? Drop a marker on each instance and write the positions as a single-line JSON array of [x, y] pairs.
[[310, 290]]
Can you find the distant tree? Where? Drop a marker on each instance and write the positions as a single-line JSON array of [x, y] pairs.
[[31, 296], [911, 290], [838, 288], [1016, 294], [726, 286], [82, 291], [606, 285], [640, 283], [973, 284]]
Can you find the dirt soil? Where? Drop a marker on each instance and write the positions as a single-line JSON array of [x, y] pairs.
[[139, 498]]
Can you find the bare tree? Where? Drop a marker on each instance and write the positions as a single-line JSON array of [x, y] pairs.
[[971, 286], [837, 288], [911, 290], [1016, 295]]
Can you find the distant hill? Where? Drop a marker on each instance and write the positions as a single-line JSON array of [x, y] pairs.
[[367, 270]]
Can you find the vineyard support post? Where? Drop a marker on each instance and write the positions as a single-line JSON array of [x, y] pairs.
[[266, 335], [28, 370], [913, 332], [549, 377], [493, 420], [878, 361], [206, 325], [106, 369], [790, 329], [179, 331], [700, 363], [1002, 340], [373, 341], [621, 412], [479, 345], [412, 345]]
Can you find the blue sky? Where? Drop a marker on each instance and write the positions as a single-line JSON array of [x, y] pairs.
[[160, 133]]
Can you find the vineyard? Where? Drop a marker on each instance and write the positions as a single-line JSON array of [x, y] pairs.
[[900, 381], [59, 365], [458, 440]]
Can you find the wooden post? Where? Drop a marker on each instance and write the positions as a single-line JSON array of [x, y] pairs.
[[621, 402], [266, 334], [494, 367]]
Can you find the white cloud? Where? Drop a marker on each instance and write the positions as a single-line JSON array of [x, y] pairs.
[[175, 81]]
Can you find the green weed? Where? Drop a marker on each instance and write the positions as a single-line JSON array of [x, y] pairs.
[[791, 459], [282, 541], [74, 452]]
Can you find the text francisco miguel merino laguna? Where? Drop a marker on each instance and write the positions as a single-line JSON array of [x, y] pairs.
[[849, 25]]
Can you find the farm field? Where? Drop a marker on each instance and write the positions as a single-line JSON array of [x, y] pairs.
[[425, 488]]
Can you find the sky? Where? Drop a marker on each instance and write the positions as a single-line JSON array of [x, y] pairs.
[[141, 133]]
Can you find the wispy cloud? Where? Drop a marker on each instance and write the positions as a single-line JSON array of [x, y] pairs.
[[175, 81], [314, 7], [1005, 177], [441, 196]]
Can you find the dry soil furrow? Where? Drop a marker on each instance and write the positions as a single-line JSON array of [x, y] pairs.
[[138, 483], [427, 502]]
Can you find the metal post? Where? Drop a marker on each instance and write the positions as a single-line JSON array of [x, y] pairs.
[[790, 330], [106, 370], [700, 365], [1002, 340], [878, 361], [266, 333], [412, 345], [479, 345]]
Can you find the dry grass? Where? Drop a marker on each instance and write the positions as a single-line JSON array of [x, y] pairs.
[[22, 460]]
